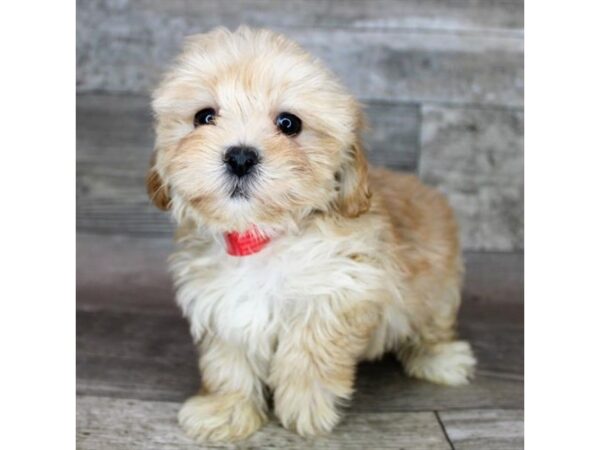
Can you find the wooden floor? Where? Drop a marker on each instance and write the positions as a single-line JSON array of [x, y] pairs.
[[136, 364]]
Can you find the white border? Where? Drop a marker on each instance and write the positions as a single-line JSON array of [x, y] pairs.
[[562, 251], [37, 281], [562, 224]]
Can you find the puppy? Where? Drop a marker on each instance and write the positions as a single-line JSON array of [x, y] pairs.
[[295, 259]]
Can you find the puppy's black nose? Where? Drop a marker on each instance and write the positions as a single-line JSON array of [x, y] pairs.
[[241, 160]]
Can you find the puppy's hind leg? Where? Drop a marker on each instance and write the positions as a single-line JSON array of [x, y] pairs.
[[451, 363], [434, 354]]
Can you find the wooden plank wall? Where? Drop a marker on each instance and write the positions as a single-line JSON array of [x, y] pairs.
[[442, 81]]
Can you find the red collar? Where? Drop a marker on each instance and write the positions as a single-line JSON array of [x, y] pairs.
[[246, 243]]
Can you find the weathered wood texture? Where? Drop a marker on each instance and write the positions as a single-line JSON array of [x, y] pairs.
[[109, 424], [442, 82], [484, 429], [115, 140], [136, 362], [456, 15], [124, 273], [151, 357], [474, 155], [426, 51], [132, 341]]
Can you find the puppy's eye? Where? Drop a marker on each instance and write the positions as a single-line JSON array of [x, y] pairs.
[[205, 116], [288, 123]]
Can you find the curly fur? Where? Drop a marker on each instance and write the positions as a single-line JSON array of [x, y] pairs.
[[362, 261]]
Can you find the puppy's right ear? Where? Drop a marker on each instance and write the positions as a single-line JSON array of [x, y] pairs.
[[157, 190]]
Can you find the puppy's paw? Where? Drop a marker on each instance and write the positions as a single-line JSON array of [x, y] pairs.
[[308, 412], [449, 363], [220, 418]]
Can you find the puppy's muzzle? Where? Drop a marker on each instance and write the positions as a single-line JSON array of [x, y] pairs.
[[241, 160]]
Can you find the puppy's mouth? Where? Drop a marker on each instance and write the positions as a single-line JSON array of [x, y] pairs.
[[242, 188], [239, 192]]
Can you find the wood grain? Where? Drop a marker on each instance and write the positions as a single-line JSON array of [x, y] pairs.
[[129, 273], [149, 356], [134, 348], [475, 156], [433, 51], [484, 429], [115, 140], [392, 139], [108, 424], [423, 67], [457, 15], [494, 276]]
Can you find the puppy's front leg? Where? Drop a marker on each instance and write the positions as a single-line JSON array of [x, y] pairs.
[[314, 366], [231, 405]]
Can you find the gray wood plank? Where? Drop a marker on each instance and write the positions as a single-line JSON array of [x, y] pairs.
[[475, 156], [115, 140], [132, 341], [484, 429], [457, 15], [104, 423], [418, 67], [129, 273], [123, 273], [442, 55], [392, 139], [150, 356], [132, 344], [494, 276], [135, 355]]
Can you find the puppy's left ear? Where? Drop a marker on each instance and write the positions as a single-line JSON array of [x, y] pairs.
[[354, 196], [156, 188]]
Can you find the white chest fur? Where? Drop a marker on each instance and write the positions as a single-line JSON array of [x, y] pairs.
[[248, 301]]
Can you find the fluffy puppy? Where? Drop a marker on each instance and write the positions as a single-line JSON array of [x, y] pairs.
[[295, 260]]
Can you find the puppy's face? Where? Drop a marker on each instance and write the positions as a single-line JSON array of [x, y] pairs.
[[252, 131]]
